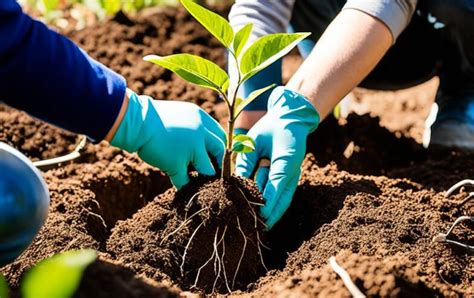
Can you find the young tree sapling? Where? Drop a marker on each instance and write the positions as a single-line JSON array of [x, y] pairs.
[[248, 60]]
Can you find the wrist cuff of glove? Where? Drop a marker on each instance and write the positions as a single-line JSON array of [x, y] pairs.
[[240, 131], [288, 102], [127, 136]]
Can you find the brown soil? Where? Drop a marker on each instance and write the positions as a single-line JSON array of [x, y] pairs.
[[369, 193], [393, 276]]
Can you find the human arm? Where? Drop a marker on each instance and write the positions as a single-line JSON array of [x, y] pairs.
[[395, 15], [349, 49], [48, 76]]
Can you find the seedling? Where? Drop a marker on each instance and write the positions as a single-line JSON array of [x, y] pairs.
[[248, 60]]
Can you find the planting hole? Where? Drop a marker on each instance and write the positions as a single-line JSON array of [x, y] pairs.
[[118, 198]]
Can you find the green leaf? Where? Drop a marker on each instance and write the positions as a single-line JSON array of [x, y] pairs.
[[266, 50], [243, 103], [58, 276], [238, 101], [243, 144], [241, 38], [337, 111], [50, 5], [111, 7], [194, 69], [214, 23], [3, 287]]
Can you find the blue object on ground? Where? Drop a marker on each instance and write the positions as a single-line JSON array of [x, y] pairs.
[[24, 203]]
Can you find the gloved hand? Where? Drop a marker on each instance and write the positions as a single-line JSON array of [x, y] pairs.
[[170, 135], [281, 137], [24, 203]]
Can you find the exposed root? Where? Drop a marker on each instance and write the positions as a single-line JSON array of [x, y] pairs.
[[212, 268], [181, 267], [351, 287], [188, 205], [243, 252], [261, 258], [182, 225], [251, 208], [255, 203], [261, 243], [218, 261], [207, 262], [223, 265]]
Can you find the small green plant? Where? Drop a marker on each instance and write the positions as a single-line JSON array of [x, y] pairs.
[[249, 60], [58, 276]]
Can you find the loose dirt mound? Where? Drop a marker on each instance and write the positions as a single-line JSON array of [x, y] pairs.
[[105, 279], [376, 216], [111, 201], [388, 277]]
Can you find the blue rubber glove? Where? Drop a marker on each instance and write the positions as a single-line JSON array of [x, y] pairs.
[[171, 135], [280, 136], [24, 203], [268, 76]]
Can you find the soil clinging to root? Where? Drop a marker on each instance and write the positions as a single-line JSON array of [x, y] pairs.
[[207, 236], [369, 194]]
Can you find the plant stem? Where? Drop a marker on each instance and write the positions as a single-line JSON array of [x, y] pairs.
[[227, 159], [231, 99], [227, 162]]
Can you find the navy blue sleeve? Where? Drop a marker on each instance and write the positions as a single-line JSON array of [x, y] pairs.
[[49, 77]]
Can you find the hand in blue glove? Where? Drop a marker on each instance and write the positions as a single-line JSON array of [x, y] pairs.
[[24, 203], [170, 135], [281, 137]]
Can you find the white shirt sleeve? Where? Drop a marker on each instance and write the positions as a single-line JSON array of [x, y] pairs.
[[395, 14], [267, 16]]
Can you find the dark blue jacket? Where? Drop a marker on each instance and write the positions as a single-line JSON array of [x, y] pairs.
[[48, 76]]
